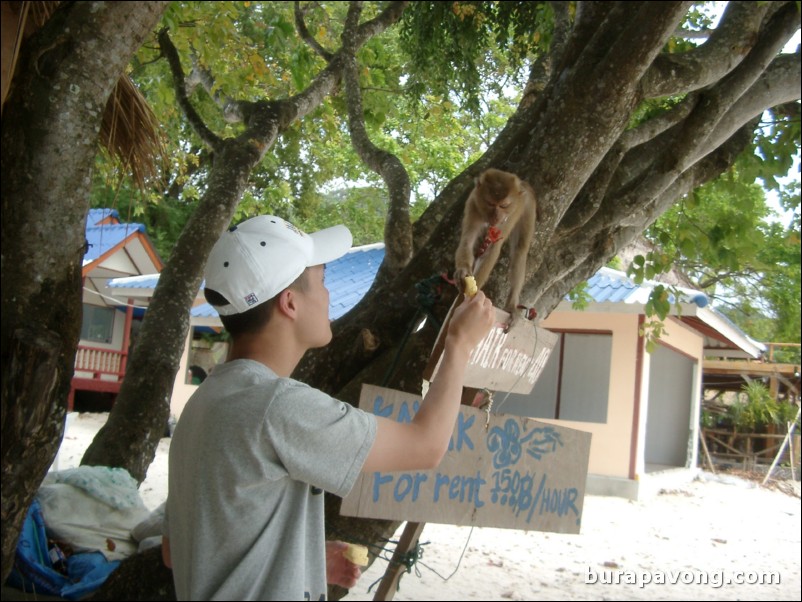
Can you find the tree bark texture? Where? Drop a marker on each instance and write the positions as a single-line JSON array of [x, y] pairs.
[[51, 122]]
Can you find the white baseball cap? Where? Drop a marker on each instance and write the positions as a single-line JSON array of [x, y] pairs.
[[259, 258]]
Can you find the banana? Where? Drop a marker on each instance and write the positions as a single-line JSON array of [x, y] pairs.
[[470, 286], [356, 554]]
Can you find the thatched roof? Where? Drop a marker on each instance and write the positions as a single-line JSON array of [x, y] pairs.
[[130, 130]]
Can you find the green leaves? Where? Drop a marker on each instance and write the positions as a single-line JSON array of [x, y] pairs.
[[646, 267], [462, 47], [722, 235], [580, 297], [657, 309], [436, 92], [658, 303]]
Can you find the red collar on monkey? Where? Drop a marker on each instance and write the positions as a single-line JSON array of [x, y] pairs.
[[493, 236]]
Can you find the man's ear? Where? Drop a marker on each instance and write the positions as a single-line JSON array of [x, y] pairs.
[[286, 303]]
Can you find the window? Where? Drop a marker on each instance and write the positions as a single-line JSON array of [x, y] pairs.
[[574, 384], [585, 381], [98, 324]]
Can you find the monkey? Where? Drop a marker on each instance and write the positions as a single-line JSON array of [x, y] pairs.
[[500, 208]]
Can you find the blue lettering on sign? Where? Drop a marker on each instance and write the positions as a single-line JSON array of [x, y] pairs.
[[520, 492], [558, 501], [378, 481], [542, 441], [462, 488], [380, 409], [515, 490], [523, 493], [405, 414], [405, 485], [507, 443], [463, 426]]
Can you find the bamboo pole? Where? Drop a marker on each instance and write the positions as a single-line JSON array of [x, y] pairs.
[[397, 567], [782, 447], [707, 453]]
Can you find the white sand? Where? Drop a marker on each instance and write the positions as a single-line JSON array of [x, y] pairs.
[[716, 529]]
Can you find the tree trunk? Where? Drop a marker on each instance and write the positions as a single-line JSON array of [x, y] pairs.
[[51, 121], [139, 577], [130, 436], [600, 184]]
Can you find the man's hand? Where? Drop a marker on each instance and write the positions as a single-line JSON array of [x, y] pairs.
[[471, 321], [339, 570]]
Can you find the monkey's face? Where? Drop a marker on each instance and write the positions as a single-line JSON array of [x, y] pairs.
[[497, 210]]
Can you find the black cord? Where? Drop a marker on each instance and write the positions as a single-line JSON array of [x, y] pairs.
[[430, 291]]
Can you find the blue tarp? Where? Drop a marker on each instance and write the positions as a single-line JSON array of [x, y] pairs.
[[35, 565]]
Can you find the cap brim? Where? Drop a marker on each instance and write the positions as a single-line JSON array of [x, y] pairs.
[[330, 244]]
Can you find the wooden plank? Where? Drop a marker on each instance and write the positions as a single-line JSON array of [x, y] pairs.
[[743, 366]]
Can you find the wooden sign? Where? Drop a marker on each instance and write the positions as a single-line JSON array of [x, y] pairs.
[[505, 471], [506, 360]]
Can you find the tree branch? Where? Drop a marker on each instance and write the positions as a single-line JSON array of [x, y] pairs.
[[542, 67], [231, 109], [728, 45], [381, 22], [657, 125], [778, 85], [398, 226], [301, 104], [721, 112], [614, 226], [195, 120], [718, 100], [300, 26]]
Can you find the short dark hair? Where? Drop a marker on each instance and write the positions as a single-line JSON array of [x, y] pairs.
[[255, 318]]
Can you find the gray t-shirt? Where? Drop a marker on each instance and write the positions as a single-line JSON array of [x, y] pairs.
[[249, 459]]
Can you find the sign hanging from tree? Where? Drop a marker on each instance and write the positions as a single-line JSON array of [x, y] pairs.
[[507, 359], [499, 471]]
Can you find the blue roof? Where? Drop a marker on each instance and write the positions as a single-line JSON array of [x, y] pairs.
[[203, 311], [103, 238], [611, 286], [145, 281], [349, 277], [96, 216], [603, 286]]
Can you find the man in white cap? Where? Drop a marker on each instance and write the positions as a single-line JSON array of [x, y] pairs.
[[254, 450]]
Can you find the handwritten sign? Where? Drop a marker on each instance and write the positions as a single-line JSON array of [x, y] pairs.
[[506, 360], [507, 472]]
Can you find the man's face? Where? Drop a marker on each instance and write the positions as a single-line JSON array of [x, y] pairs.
[[315, 326]]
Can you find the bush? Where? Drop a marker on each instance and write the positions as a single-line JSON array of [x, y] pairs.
[[753, 411]]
